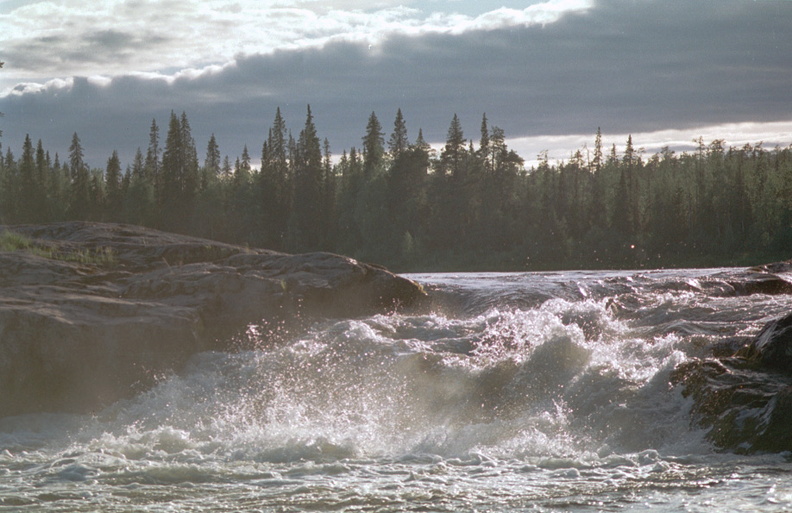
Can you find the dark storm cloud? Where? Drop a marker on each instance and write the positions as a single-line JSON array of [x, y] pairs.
[[625, 66]]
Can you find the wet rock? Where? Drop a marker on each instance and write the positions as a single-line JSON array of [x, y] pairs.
[[92, 312], [733, 400], [772, 347], [761, 283], [744, 398]]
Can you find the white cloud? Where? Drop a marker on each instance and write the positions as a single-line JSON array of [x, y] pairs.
[[543, 13], [737, 135], [569, 77], [112, 37]]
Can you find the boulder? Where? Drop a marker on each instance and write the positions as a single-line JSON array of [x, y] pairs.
[[93, 312], [772, 347], [744, 399]]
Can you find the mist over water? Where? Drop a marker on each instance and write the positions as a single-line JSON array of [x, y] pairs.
[[516, 392]]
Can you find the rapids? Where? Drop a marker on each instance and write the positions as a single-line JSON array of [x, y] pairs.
[[514, 392]]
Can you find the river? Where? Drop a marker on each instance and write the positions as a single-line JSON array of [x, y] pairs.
[[515, 392]]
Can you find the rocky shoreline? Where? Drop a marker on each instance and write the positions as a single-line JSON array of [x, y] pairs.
[[91, 313], [94, 312], [742, 392]]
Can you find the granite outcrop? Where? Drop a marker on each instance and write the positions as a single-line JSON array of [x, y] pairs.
[[94, 312]]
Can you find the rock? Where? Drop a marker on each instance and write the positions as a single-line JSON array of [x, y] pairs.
[[91, 312], [733, 400], [774, 268], [772, 347], [744, 398], [761, 283]]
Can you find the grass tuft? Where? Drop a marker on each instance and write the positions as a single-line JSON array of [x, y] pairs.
[[103, 256]]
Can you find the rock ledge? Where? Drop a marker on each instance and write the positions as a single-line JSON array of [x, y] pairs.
[[92, 312]]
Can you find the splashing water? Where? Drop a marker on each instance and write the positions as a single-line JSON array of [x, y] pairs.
[[518, 391]]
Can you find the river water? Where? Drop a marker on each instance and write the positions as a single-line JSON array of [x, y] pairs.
[[515, 392]]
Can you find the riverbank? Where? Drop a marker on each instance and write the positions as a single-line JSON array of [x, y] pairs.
[[93, 312]]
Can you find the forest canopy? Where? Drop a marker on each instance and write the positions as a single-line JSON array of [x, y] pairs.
[[473, 205]]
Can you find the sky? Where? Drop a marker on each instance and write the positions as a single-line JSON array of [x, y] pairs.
[[548, 72]]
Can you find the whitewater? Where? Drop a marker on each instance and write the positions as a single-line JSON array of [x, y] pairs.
[[512, 392]]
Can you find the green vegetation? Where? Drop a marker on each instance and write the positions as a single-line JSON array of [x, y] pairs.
[[103, 256], [10, 241], [470, 206]]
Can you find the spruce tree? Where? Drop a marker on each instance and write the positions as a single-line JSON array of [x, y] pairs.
[[139, 201], [212, 160], [307, 210], [80, 194], [179, 175], [373, 146], [398, 142], [114, 199], [152, 167], [484, 145], [275, 185], [453, 153], [28, 185], [596, 162]]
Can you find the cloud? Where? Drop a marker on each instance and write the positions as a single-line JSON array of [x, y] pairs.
[[79, 37], [655, 66], [562, 147]]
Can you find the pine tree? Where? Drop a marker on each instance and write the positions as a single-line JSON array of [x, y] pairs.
[[328, 198], [28, 185], [212, 160], [43, 165], [307, 212], [9, 188], [114, 201], [172, 164], [179, 175], [57, 189], [152, 167], [275, 185], [421, 143], [80, 194], [596, 162], [373, 146], [398, 142], [453, 153], [139, 201], [190, 159], [485, 153]]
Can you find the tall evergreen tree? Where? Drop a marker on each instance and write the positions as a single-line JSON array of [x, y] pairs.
[[179, 175], [29, 186], [484, 145], [373, 146], [452, 156], [190, 159], [275, 185], [9, 188], [596, 162], [80, 194], [305, 228], [153, 157], [212, 160], [139, 205], [114, 196], [328, 234], [398, 142]]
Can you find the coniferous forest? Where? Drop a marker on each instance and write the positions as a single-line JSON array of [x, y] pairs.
[[472, 205]]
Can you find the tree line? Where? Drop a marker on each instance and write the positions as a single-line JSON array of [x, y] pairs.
[[469, 206]]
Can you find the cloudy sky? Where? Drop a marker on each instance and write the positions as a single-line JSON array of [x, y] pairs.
[[547, 72]]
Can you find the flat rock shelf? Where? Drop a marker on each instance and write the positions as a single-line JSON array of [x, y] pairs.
[[93, 312]]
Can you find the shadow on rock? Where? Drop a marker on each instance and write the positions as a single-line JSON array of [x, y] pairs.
[[93, 312], [743, 394]]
